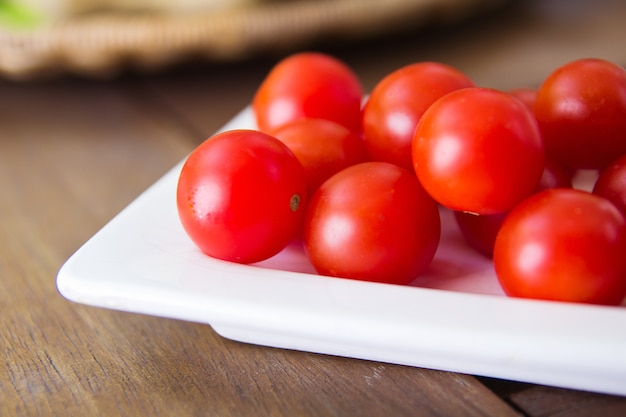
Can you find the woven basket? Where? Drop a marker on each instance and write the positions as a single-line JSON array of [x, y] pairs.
[[104, 44]]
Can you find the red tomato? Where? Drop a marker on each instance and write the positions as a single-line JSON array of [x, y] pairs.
[[555, 176], [397, 103], [373, 222], [309, 85], [528, 96], [581, 110], [563, 244], [323, 147], [611, 183], [480, 230], [241, 196], [478, 150]]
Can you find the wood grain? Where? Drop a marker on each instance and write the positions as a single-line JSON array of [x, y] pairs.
[[74, 152], [72, 155]]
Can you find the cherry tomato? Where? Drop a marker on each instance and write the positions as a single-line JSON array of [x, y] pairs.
[[611, 183], [323, 147], [528, 96], [555, 175], [478, 150], [309, 85], [480, 230], [581, 110], [565, 245], [397, 103], [372, 222], [241, 196]]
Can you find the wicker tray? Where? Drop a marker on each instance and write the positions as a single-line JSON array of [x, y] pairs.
[[105, 44]]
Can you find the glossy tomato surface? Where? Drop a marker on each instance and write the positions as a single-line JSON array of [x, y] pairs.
[[309, 85], [478, 150], [397, 103], [372, 222], [565, 245], [581, 110], [481, 230], [241, 196], [323, 147]]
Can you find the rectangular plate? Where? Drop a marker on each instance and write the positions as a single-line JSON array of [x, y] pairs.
[[453, 318]]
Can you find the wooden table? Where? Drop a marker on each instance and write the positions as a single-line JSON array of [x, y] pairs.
[[73, 152]]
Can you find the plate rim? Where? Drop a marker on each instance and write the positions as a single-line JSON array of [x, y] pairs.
[[516, 339]]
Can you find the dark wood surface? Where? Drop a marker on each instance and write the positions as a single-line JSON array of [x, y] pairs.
[[74, 152]]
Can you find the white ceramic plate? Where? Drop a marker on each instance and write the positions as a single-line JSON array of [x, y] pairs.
[[454, 318]]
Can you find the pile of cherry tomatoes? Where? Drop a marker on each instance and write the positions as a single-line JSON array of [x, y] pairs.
[[361, 181]]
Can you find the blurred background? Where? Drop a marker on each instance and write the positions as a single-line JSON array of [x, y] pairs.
[[500, 43]]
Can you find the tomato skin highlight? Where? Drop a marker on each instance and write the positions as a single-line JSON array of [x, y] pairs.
[[309, 85], [360, 187], [397, 103], [478, 150], [581, 110], [241, 196], [563, 245], [373, 222]]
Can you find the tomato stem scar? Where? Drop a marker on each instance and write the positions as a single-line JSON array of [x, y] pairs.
[[294, 202]]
